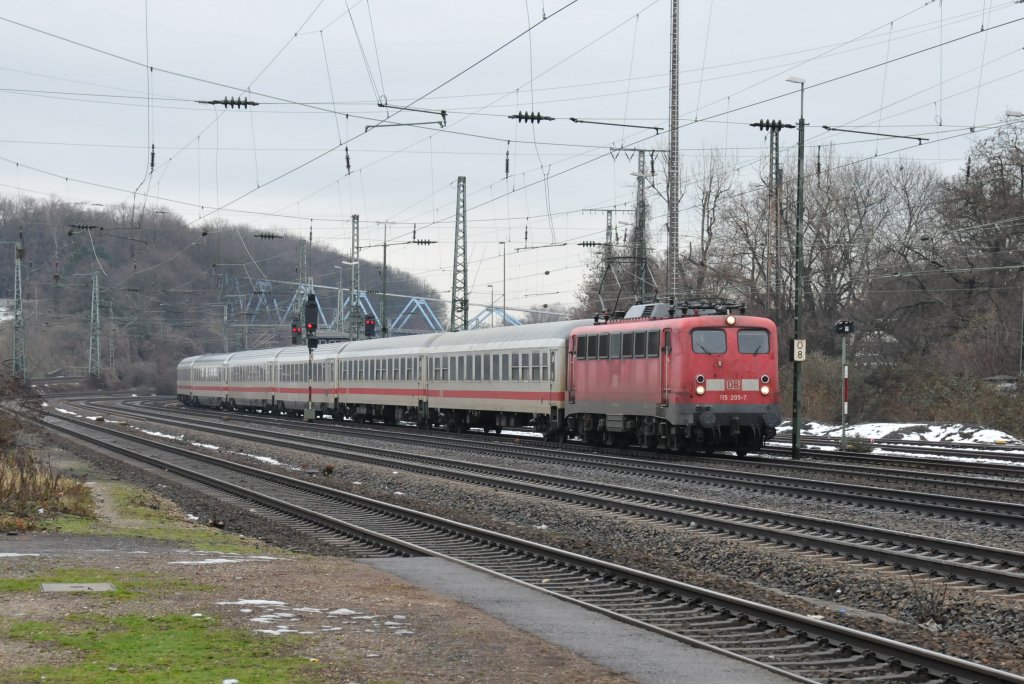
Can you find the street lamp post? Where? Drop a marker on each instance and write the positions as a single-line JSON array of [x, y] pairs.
[[799, 345], [492, 304], [504, 301]]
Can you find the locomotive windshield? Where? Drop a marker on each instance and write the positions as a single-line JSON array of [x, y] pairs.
[[708, 341], [753, 341]]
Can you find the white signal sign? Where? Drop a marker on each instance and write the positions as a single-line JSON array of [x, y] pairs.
[[799, 350]]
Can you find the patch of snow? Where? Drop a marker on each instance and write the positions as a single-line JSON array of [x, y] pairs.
[[911, 432]]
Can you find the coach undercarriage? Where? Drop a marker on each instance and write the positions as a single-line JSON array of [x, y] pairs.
[[453, 420]]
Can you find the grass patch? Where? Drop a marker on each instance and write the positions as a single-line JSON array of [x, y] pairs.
[[126, 585], [172, 648], [142, 513], [31, 490]]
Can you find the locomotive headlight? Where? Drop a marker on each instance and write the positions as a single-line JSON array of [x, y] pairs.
[[765, 390], [700, 390], [730, 320]]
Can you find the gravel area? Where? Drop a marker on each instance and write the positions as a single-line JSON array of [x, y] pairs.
[[968, 623]]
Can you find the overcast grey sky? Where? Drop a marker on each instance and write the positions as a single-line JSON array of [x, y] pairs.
[[82, 110]]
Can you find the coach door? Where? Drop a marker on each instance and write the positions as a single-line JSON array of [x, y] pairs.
[[570, 371], [665, 363]]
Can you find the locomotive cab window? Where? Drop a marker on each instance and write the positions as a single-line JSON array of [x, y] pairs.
[[753, 341], [708, 341]]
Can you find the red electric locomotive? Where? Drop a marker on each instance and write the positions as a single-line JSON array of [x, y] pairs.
[[690, 377]]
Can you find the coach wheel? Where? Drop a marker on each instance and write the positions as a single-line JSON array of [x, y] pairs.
[[497, 430], [650, 442], [231, 405]]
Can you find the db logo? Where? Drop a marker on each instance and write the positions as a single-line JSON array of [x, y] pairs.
[[732, 384]]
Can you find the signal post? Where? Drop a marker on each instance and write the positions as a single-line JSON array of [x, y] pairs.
[[312, 314]]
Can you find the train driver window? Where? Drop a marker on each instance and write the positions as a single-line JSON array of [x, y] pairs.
[[639, 345], [653, 342], [627, 345], [615, 349], [602, 346], [708, 341], [752, 341]]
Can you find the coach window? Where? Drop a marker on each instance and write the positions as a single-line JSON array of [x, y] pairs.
[[544, 367], [477, 363], [708, 341], [535, 366], [487, 368], [653, 342], [602, 346], [515, 368], [639, 345], [615, 346]]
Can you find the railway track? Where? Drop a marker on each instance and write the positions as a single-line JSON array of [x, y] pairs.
[[967, 564], [803, 648]]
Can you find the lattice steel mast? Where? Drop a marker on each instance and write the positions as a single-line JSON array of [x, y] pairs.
[[19, 367], [94, 328], [672, 260], [460, 294]]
